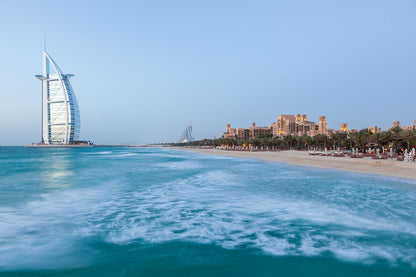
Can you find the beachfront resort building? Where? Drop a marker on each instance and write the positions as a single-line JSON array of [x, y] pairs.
[[322, 125], [374, 129], [286, 125], [257, 132], [60, 113], [410, 127], [293, 125], [247, 133], [298, 125], [282, 126], [406, 128]]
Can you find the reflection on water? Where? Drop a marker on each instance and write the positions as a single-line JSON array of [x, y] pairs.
[[57, 170]]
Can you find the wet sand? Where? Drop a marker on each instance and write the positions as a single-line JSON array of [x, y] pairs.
[[367, 165]]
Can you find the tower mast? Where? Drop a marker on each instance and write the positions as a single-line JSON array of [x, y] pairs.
[[43, 84]]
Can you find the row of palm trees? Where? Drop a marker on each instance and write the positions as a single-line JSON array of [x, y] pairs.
[[396, 138]]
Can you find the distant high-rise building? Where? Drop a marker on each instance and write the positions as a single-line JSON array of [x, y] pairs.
[[343, 127], [187, 135], [60, 112]]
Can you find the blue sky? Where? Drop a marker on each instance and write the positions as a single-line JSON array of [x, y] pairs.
[[143, 69]]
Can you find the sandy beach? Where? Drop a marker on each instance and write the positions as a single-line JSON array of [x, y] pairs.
[[366, 165]]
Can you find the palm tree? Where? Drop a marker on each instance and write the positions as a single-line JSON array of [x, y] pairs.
[[307, 142], [385, 139], [321, 140], [409, 138], [353, 140], [362, 138], [337, 140], [397, 137]]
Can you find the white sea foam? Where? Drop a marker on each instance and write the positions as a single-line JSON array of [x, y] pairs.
[[100, 153], [179, 165], [122, 155]]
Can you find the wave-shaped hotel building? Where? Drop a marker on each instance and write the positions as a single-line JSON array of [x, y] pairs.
[[60, 113]]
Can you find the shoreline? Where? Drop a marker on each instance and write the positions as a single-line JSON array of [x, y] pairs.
[[390, 168], [58, 146]]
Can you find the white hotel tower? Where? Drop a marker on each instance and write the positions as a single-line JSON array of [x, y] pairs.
[[60, 113]]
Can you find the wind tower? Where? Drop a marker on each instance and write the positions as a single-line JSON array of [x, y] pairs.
[[60, 112], [322, 125]]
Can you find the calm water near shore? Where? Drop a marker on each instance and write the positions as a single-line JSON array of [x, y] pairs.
[[159, 212]]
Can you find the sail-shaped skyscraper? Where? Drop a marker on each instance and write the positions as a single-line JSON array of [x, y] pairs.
[[187, 134], [60, 112]]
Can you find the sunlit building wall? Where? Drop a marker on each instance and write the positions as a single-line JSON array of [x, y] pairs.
[[374, 129], [322, 125]]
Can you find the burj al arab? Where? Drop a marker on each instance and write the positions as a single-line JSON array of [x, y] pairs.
[[60, 113]]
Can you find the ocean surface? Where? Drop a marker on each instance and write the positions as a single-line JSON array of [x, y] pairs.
[[160, 212]]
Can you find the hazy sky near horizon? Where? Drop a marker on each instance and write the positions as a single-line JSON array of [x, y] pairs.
[[143, 69]]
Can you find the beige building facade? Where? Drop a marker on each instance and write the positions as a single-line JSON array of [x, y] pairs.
[[322, 125], [374, 129], [285, 125], [247, 133], [407, 127], [298, 125]]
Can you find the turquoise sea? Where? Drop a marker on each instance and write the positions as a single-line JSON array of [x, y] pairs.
[[160, 212]]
